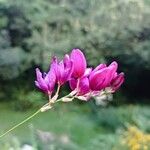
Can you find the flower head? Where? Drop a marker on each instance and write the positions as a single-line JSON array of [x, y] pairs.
[[63, 69], [101, 76], [45, 82], [84, 82], [97, 79]]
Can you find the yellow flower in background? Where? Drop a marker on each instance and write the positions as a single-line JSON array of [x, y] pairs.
[[135, 139]]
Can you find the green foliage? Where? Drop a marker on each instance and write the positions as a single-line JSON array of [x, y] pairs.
[[116, 118], [104, 141], [113, 119], [25, 100], [50, 131], [101, 28], [142, 119], [13, 31], [14, 143], [32, 31]]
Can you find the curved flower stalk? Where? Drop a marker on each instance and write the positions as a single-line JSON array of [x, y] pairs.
[[84, 82]]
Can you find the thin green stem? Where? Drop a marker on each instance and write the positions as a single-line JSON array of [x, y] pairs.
[[20, 123], [42, 109]]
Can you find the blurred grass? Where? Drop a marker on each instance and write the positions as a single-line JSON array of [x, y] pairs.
[[59, 120], [77, 122]]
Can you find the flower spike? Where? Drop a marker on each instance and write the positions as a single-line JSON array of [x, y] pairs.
[[84, 82]]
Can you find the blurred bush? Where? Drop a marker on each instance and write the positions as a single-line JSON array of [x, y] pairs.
[[25, 100], [112, 128], [116, 118], [32, 31]]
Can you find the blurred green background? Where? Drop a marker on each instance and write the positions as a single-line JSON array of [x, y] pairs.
[[31, 32]]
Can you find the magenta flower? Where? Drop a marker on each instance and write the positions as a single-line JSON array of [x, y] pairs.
[[101, 76], [79, 62], [83, 86], [117, 81], [84, 82], [63, 69], [45, 82]]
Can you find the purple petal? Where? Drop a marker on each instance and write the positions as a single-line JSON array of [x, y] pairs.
[[117, 81], [63, 69], [87, 72], [72, 83], [51, 79], [60, 71], [84, 87], [114, 64], [100, 66], [79, 62], [66, 61], [97, 79], [115, 75], [57, 68], [37, 84], [67, 73], [111, 72], [54, 62], [68, 68], [40, 83]]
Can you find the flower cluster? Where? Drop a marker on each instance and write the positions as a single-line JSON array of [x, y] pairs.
[[84, 82]]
